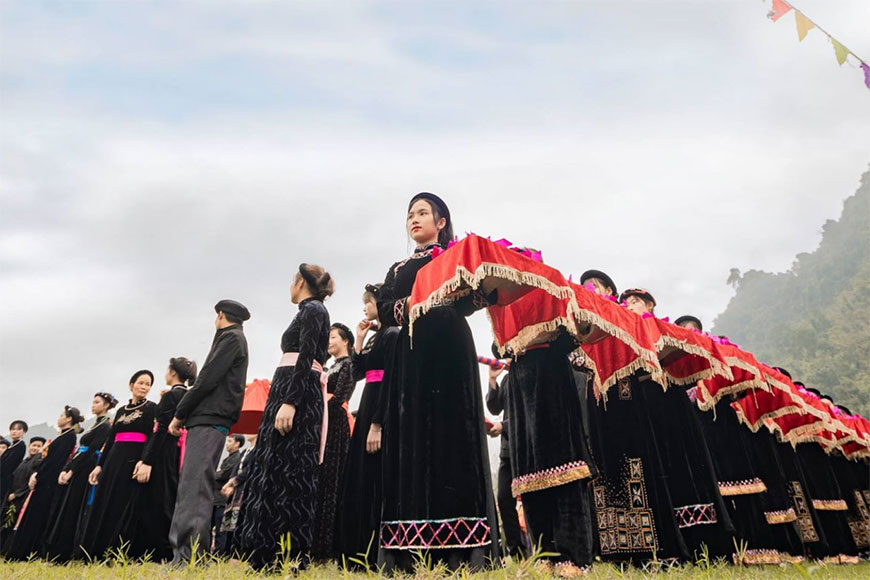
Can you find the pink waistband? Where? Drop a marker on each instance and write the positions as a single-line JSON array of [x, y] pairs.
[[130, 438], [374, 376], [289, 359]]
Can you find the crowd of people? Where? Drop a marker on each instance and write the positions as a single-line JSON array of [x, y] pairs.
[[645, 476]]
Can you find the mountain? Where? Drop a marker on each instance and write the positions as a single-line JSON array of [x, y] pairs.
[[814, 319]]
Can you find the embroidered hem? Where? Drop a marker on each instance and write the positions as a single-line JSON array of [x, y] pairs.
[[842, 559], [435, 534], [832, 505], [745, 487], [780, 516], [551, 477], [758, 558], [694, 515]]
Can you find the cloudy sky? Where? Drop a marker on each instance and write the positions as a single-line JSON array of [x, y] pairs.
[[157, 157]]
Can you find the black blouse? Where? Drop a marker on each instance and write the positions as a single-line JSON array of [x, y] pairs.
[[308, 335], [90, 442], [164, 414], [340, 382], [139, 419]]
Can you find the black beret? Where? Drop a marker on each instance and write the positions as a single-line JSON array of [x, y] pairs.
[[689, 318], [233, 308], [3, 441], [434, 200], [37, 438], [608, 281], [783, 371], [645, 294]]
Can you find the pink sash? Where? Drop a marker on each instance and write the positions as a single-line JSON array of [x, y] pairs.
[[130, 438], [374, 376], [289, 359]]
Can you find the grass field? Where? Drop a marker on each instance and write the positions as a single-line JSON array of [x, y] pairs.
[[219, 570]]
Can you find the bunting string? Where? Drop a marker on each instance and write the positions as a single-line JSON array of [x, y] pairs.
[[804, 24]]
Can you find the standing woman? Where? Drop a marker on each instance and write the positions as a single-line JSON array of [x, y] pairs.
[[69, 516], [114, 504], [44, 486], [280, 490], [437, 486], [359, 509], [158, 470], [339, 389]]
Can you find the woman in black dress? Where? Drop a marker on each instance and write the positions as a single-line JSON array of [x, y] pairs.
[[113, 513], [359, 509], [339, 389], [437, 492], [69, 517], [158, 469], [281, 486], [29, 533]]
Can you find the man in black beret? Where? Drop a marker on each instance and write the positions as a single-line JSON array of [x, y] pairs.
[[20, 486], [208, 410]]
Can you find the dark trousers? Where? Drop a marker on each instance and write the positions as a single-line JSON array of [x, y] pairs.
[[192, 520], [514, 541], [558, 518], [220, 538]]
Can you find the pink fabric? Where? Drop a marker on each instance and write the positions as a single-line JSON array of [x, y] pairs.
[[182, 445], [130, 438], [374, 376], [316, 366]]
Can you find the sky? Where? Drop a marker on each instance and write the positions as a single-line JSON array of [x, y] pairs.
[[156, 157]]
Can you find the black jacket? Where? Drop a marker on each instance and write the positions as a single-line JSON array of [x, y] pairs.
[[496, 402], [216, 397], [227, 470]]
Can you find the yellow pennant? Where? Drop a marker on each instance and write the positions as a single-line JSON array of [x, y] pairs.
[[841, 51], [804, 25]]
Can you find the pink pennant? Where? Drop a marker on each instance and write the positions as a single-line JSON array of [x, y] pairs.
[[779, 9], [866, 69]]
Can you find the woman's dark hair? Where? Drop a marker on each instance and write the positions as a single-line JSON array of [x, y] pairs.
[[371, 292], [74, 414], [109, 398], [184, 368], [344, 332], [439, 210], [318, 280], [19, 423], [138, 374]]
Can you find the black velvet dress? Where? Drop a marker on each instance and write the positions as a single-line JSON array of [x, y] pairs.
[[437, 493], [28, 538], [359, 509], [548, 453], [741, 486], [853, 485], [113, 513], [698, 505], [156, 501], [828, 500], [69, 516], [280, 489], [9, 462], [634, 510], [340, 385]]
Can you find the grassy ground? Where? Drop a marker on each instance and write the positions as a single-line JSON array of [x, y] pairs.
[[218, 570]]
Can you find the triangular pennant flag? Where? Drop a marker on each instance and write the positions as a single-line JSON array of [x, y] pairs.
[[841, 51], [779, 9], [866, 68], [804, 25]]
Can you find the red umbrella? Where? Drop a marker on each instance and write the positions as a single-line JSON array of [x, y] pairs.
[[256, 394]]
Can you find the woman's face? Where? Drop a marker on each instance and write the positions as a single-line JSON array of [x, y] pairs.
[[638, 305], [337, 345], [64, 422], [172, 377], [16, 432], [99, 406], [141, 387], [296, 288], [370, 309], [421, 223]]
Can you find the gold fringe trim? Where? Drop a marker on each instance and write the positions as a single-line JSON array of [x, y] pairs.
[[757, 558], [552, 477], [747, 487], [830, 505], [716, 366], [526, 336], [780, 517], [623, 373], [691, 379], [841, 559]]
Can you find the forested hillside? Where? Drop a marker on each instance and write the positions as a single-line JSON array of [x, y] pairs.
[[814, 319]]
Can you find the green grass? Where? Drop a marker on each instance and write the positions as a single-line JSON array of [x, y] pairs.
[[123, 569]]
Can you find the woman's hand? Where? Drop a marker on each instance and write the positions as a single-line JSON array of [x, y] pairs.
[[362, 328], [64, 477], [32, 482], [228, 488], [373, 441], [142, 473], [284, 418], [175, 427], [94, 477]]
